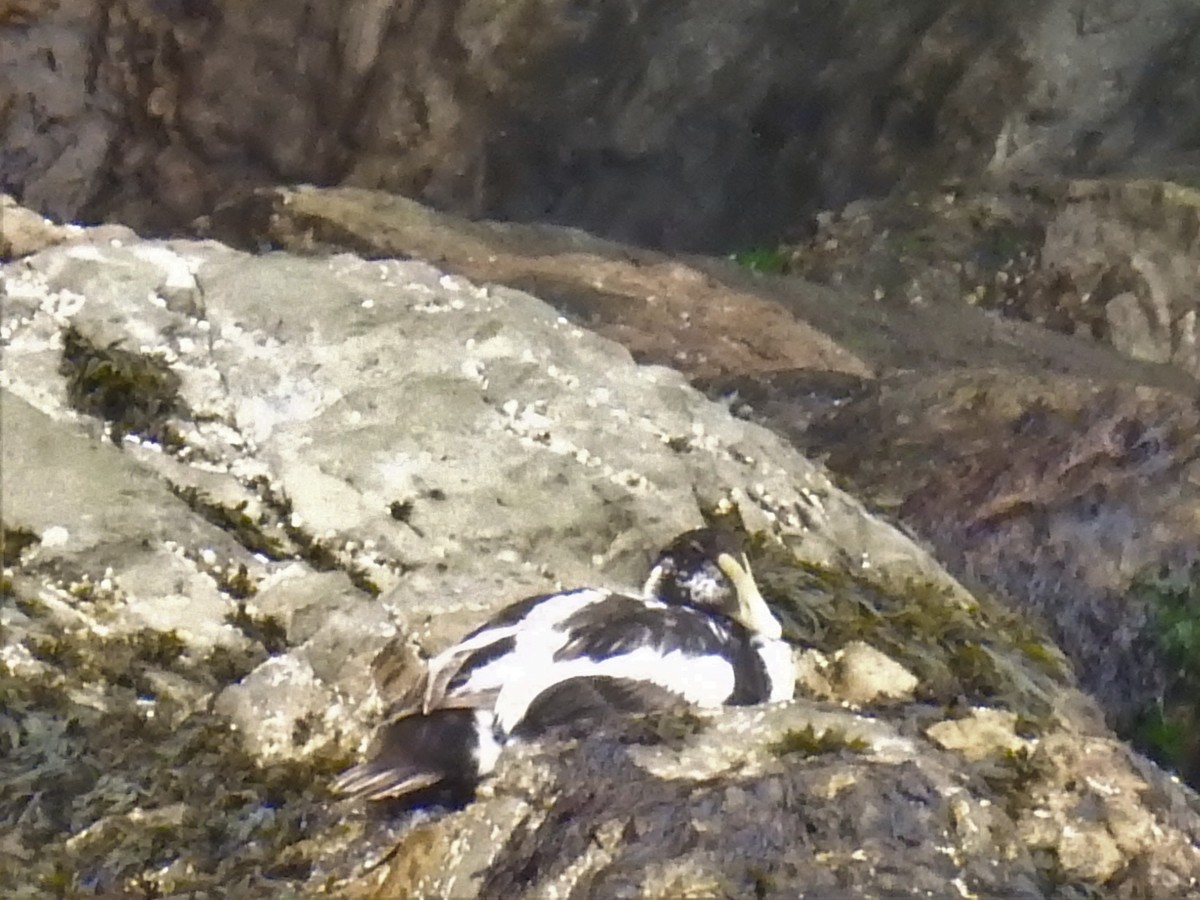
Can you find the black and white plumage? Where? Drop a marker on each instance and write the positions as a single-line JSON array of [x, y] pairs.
[[700, 634]]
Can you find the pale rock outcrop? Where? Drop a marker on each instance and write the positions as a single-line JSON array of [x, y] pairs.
[[354, 452]]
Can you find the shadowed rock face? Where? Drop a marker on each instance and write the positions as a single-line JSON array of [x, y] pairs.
[[764, 834], [1058, 493], [688, 126], [1074, 498], [1106, 260], [372, 452]]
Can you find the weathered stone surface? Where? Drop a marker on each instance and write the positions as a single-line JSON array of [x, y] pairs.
[[861, 674], [22, 231], [449, 435], [365, 452], [1109, 260], [744, 806], [727, 328], [99, 505], [983, 733], [661, 309], [1057, 492], [910, 440], [683, 127]]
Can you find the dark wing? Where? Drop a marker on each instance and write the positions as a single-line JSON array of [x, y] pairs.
[[416, 752], [477, 660], [588, 698], [621, 624], [751, 681], [451, 669]]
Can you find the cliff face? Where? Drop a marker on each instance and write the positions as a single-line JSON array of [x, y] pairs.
[[243, 492], [688, 126]]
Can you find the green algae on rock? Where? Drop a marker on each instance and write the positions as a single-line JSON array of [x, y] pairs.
[[13, 541], [807, 741], [136, 392], [118, 780], [976, 650], [1169, 730]]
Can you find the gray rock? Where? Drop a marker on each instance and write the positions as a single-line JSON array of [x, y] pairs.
[[99, 508], [750, 803], [364, 452], [862, 674]]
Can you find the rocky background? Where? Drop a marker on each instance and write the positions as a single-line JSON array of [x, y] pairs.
[[252, 434], [684, 126]]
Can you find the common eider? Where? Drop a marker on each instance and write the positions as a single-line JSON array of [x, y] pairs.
[[700, 634]]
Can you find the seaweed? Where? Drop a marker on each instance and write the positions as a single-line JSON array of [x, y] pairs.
[[272, 533], [13, 541], [1010, 776], [807, 741], [122, 661], [137, 393], [238, 583], [251, 532], [960, 649], [267, 631], [401, 510], [768, 260], [108, 789], [671, 729], [1169, 731]]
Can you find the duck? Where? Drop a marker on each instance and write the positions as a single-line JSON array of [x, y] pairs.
[[699, 634]]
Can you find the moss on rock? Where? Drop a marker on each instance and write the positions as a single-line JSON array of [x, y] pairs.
[[1169, 731], [136, 392], [118, 780], [974, 650], [808, 741]]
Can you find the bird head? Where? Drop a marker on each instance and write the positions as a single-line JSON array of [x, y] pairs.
[[708, 569]]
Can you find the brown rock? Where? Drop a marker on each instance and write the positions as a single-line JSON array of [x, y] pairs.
[[22, 231], [1055, 491], [607, 118]]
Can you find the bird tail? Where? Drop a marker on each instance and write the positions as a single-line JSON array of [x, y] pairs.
[[451, 748]]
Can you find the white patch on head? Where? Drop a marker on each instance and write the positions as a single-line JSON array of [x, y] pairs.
[[707, 588], [703, 586]]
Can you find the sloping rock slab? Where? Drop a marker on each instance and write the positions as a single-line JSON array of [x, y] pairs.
[[709, 318], [350, 450], [661, 309]]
